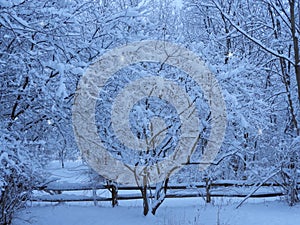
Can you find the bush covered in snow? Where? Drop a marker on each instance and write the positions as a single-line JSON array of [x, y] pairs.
[[16, 182]]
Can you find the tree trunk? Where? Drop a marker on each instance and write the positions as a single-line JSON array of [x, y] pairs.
[[160, 194], [145, 196], [296, 47]]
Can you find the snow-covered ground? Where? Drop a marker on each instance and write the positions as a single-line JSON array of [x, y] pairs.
[[183, 211], [173, 212]]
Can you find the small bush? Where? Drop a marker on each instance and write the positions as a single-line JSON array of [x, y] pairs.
[[16, 183]]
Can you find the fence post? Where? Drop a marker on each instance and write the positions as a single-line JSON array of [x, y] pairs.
[[207, 189], [95, 196], [114, 195]]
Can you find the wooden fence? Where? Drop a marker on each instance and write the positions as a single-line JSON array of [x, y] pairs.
[[56, 192]]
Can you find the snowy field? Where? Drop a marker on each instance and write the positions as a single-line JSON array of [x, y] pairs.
[[173, 212], [183, 211]]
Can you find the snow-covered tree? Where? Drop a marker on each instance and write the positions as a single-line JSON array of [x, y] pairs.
[[44, 48], [253, 48], [18, 176]]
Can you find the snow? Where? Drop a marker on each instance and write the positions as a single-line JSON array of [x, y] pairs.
[[131, 12], [5, 3], [179, 4], [173, 212], [46, 47], [73, 172], [296, 141]]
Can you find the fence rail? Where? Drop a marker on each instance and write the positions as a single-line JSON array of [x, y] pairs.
[[56, 192]]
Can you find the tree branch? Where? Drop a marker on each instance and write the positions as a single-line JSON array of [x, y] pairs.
[[253, 39]]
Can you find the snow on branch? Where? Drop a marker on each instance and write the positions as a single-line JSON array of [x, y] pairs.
[[253, 39]]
